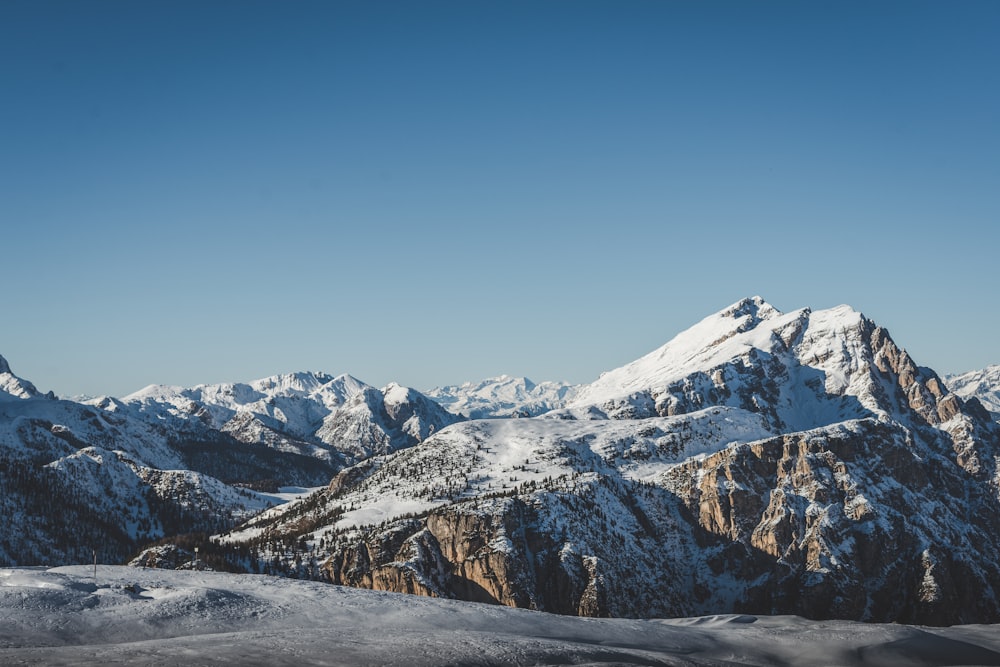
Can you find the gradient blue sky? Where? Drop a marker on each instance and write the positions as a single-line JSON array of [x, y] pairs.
[[435, 192]]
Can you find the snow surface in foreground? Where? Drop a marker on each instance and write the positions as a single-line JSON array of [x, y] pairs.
[[132, 616]]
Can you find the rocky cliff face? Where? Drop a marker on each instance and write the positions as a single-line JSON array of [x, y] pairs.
[[499, 554], [760, 462], [850, 522]]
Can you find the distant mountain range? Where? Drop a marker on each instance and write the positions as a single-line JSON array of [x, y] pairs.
[[759, 462], [983, 385], [113, 474], [503, 396], [334, 420]]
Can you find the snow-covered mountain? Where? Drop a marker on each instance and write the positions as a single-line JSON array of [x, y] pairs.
[[119, 473], [75, 478], [503, 396], [759, 462], [336, 420], [13, 387], [983, 385]]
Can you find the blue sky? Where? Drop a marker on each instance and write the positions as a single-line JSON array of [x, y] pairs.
[[435, 192]]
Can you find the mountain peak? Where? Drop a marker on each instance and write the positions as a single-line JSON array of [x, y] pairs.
[[347, 379], [727, 357], [300, 382], [752, 307], [396, 392], [12, 385]]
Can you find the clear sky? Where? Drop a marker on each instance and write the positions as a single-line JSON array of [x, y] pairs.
[[435, 192]]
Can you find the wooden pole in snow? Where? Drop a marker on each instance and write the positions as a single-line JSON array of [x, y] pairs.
[[95, 567]]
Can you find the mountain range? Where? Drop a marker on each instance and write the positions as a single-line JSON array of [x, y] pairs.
[[503, 396], [759, 462], [110, 475], [983, 385]]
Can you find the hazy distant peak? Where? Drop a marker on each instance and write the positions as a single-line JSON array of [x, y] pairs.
[[503, 396], [982, 384], [298, 381]]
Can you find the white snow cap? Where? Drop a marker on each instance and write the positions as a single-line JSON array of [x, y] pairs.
[[704, 345], [754, 306]]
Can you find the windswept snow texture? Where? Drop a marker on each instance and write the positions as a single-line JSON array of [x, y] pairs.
[[503, 396], [983, 385], [129, 616]]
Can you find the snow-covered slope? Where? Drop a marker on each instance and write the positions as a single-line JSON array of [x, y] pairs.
[[63, 616], [759, 462], [42, 429], [486, 457], [503, 396], [983, 385], [114, 484]]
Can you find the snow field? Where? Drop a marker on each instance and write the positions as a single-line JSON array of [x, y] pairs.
[[130, 616]]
